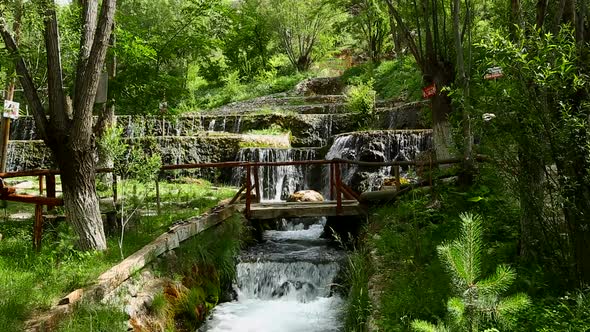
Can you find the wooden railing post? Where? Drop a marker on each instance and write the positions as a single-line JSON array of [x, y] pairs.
[[332, 170], [41, 185], [257, 184], [248, 190], [51, 190], [338, 188]]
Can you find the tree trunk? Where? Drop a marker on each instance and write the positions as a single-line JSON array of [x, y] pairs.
[[441, 109], [531, 197], [77, 167]]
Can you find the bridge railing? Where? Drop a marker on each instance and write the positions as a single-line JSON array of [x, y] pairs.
[[338, 189]]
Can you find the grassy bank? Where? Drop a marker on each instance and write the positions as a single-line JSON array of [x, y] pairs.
[[197, 277], [411, 282], [31, 282]]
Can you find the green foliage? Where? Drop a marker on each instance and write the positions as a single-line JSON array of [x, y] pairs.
[[32, 282], [393, 79], [207, 263], [302, 27], [211, 96], [274, 129], [567, 313], [358, 304], [532, 119], [360, 99], [479, 300], [156, 42]]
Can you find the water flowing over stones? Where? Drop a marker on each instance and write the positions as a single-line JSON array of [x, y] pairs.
[[278, 182], [376, 146], [284, 284]]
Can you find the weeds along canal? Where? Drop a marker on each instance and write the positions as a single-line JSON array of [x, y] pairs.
[[286, 283]]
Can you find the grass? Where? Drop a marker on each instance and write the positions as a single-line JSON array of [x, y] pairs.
[[272, 130], [203, 270], [358, 303], [233, 90], [31, 282]]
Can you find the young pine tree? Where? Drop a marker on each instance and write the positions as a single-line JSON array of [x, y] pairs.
[[478, 302]]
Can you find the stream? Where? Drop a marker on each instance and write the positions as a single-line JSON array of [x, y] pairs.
[[284, 284]]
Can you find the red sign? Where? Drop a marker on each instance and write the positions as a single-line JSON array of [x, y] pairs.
[[429, 91]]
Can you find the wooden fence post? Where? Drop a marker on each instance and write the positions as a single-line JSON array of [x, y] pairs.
[[332, 170], [257, 185], [248, 190], [51, 190], [40, 185], [338, 192]]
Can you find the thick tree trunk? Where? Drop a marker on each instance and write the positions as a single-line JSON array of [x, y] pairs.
[[441, 109], [77, 167]]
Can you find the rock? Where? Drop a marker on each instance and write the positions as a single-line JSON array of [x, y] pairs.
[[0, 236], [306, 196], [320, 86]]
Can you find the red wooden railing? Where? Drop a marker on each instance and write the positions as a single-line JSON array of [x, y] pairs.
[[338, 189]]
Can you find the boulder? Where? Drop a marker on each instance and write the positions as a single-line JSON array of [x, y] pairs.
[[306, 196], [320, 86]]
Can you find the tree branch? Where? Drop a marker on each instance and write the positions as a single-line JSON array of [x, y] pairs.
[[57, 102], [84, 100], [407, 35], [25, 79], [89, 17]]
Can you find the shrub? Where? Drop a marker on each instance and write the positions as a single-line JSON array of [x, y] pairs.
[[479, 300], [360, 99]]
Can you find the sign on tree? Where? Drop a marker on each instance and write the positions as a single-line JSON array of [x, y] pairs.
[[11, 109]]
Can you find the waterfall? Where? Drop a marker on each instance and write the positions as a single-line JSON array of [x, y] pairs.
[[376, 146], [211, 125], [277, 182], [284, 284], [301, 281]]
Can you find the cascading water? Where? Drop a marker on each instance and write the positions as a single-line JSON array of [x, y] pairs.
[[284, 284], [376, 146], [277, 182]]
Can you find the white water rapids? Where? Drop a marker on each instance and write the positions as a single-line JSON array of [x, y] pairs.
[[284, 285]]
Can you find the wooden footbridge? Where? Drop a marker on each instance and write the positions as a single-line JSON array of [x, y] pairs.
[[343, 201]]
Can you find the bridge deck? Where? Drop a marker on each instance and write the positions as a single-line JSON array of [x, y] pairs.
[[272, 210]]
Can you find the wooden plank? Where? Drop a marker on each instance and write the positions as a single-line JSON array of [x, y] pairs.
[[296, 211], [237, 196], [32, 199]]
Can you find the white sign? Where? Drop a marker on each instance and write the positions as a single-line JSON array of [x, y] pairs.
[[11, 109]]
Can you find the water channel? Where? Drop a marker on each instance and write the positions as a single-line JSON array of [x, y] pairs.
[[285, 284]]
